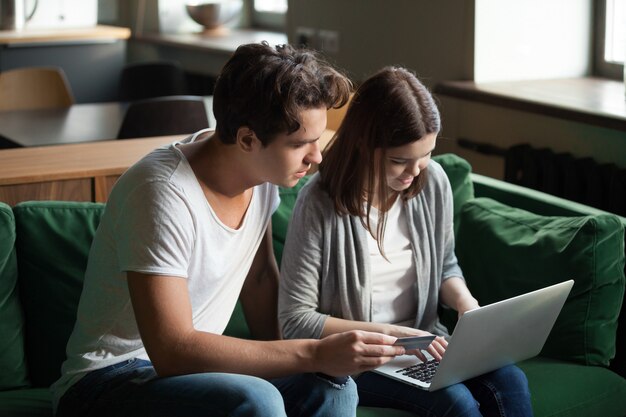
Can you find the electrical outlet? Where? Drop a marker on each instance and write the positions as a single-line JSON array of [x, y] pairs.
[[306, 37], [328, 41]]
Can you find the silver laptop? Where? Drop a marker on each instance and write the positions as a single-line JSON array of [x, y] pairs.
[[486, 339]]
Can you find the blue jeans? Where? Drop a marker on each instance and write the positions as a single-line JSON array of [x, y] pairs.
[[132, 388], [503, 392]]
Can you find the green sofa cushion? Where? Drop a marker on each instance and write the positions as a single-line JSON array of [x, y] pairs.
[[237, 325], [459, 172], [35, 402], [570, 390], [53, 241], [382, 412], [505, 251], [13, 372], [281, 217]]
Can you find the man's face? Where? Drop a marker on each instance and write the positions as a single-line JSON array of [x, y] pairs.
[[289, 157]]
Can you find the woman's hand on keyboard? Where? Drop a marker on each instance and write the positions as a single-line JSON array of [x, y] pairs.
[[436, 349]]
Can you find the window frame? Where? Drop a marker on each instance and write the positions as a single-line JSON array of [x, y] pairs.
[[602, 68]]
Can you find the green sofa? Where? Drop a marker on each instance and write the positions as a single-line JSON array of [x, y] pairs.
[[509, 240]]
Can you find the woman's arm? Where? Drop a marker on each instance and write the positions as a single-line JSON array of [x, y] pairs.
[[301, 269], [455, 294], [336, 325]]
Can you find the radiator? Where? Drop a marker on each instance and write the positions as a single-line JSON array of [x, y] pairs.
[[579, 179]]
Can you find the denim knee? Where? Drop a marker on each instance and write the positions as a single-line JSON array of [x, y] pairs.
[[335, 396], [318, 395], [504, 392], [258, 397], [455, 400], [510, 378]]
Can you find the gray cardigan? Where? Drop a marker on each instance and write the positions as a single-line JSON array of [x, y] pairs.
[[325, 268]]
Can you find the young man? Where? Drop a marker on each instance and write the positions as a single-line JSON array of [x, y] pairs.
[[186, 232]]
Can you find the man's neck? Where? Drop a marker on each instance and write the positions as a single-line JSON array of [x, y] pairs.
[[219, 167], [221, 172]]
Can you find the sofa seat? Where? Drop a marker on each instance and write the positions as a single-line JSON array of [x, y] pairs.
[[27, 402], [575, 390]]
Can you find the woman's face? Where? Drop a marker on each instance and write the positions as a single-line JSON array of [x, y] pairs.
[[404, 163]]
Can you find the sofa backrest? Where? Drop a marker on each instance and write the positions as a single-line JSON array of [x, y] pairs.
[[53, 241], [13, 373]]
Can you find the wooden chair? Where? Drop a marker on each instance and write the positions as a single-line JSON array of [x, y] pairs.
[[335, 116], [34, 88], [152, 79], [174, 115]]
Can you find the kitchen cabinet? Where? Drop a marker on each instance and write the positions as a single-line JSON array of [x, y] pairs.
[[92, 57]]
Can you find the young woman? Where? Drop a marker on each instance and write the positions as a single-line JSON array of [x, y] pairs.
[[371, 247]]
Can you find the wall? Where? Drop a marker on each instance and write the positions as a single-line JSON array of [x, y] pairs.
[[432, 37]]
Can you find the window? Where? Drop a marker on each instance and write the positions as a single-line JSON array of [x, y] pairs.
[[269, 14], [273, 6], [615, 31], [610, 42]]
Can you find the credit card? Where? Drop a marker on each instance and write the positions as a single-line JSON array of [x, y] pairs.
[[414, 342]]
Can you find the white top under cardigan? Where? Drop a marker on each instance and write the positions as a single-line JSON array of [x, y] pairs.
[[393, 275], [326, 268]]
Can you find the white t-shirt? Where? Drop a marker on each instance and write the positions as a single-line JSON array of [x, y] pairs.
[[158, 221], [394, 278]]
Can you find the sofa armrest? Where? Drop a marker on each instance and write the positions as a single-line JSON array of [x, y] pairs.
[[531, 200]]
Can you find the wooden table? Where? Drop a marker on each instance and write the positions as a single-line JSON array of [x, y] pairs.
[[75, 124], [75, 172]]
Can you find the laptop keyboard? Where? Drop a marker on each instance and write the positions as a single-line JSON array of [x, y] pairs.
[[424, 371]]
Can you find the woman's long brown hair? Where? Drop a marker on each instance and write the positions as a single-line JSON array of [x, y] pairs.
[[390, 109]]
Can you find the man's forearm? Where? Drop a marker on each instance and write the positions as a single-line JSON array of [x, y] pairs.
[[207, 352], [337, 355]]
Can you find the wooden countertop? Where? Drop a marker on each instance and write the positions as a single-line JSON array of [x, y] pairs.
[[595, 101], [94, 33]]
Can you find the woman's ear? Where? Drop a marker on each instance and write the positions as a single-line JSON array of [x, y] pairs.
[[246, 139]]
